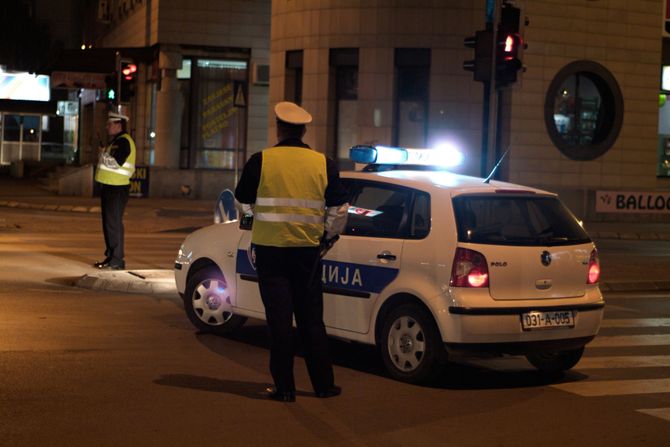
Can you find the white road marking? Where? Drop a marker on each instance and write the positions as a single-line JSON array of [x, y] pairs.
[[615, 387], [606, 341], [637, 322], [663, 413], [637, 361]]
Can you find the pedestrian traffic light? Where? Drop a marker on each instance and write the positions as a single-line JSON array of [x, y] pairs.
[[110, 89], [128, 77], [509, 46], [480, 66]]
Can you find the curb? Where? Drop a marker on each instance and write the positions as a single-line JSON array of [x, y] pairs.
[[159, 282], [38, 206]]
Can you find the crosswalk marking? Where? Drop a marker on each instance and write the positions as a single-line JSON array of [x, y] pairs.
[[663, 413], [606, 341], [616, 387], [636, 322], [648, 361]]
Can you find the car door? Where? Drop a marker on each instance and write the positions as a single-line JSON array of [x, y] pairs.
[[367, 256], [248, 296]]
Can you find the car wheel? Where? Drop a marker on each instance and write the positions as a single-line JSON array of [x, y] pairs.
[[555, 361], [411, 346], [208, 305]]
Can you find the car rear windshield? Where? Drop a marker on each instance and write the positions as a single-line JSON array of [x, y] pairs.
[[516, 220]]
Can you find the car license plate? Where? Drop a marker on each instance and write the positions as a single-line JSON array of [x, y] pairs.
[[547, 320]]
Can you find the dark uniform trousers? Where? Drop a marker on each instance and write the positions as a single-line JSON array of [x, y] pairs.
[[113, 200], [290, 283]]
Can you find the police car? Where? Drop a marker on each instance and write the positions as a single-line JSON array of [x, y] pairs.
[[431, 264]]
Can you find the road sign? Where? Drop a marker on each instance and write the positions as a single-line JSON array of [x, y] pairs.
[[240, 100]]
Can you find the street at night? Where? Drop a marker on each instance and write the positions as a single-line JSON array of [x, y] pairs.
[[82, 367]]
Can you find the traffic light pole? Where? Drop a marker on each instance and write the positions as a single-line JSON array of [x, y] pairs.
[[118, 82], [490, 106]]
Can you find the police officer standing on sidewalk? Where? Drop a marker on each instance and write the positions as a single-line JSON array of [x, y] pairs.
[[116, 165], [298, 204]]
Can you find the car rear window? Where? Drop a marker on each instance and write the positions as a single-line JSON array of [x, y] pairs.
[[516, 220]]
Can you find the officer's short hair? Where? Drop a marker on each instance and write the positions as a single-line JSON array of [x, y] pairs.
[[289, 130]]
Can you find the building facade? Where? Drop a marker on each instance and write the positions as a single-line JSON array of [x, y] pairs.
[[581, 119], [198, 101]]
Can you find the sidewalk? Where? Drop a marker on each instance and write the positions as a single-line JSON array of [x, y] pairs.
[[155, 215]]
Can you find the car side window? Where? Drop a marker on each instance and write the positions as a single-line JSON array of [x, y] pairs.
[[381, 210], [420, 223]]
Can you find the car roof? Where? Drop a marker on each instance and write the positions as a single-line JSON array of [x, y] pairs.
[[439, 182]]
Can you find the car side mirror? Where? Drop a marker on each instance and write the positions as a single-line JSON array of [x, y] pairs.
[[225, 210], [247, 222]]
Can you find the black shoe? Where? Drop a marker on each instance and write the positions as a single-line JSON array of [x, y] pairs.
[[280, 396], [329, 392], [101, 264], [113, 266]]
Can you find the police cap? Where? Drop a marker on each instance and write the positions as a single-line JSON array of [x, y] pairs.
[[113, 117], [292, 113]]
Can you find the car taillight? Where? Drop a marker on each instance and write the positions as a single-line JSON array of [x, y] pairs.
[[594, 268], [469, 269]]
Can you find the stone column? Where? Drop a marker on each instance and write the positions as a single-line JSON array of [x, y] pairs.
[[169, 109]]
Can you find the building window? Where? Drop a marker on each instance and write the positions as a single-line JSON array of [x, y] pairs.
[[583, 110], [218, 126], [293, 77], [344, 70], [412, 74]]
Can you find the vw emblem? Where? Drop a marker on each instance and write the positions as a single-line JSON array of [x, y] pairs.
[[545, 257]]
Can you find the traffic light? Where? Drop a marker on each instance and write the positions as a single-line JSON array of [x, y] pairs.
[[480, 66], [128, 76], [509, 46], [110, 89]]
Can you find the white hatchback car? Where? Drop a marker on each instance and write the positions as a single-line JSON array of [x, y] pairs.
[[430, 263]]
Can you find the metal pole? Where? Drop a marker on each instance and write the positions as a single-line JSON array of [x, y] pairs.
[[118, 82], [489, 157], [237, 143]]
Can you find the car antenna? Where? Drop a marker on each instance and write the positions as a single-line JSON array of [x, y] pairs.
[[493, 171]]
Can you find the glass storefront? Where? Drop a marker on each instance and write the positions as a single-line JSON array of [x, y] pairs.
[[32, 137], [213, 129]]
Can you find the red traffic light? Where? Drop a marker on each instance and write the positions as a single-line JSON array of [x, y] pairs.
[[128, 71]]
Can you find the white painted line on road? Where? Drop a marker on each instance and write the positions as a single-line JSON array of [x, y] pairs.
[[615, 387], [606, 341], [637, 322], [663, 413], [633, 361]]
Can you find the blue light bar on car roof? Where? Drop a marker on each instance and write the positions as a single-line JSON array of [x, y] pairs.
[[445, 155]]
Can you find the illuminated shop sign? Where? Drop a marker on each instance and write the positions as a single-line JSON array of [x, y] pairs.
[[24, 86]]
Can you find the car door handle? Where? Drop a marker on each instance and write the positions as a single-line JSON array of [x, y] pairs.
[[387, 256]]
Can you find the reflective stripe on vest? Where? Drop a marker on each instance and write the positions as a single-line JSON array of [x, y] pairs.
[[290, 204], [121, 175]]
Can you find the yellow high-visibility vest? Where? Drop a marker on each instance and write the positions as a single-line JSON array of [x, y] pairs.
[[120, 175], [290, 205]]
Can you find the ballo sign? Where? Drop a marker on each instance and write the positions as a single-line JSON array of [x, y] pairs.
[[632, 202]]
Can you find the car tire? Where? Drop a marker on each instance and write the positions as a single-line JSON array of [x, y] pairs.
[[208, 304], [411, 346], [551, 362]]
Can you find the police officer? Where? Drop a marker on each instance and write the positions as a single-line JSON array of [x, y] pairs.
[[298, 203], [116, 165]]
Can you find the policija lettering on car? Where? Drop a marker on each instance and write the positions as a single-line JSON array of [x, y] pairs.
[[498, 264]]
